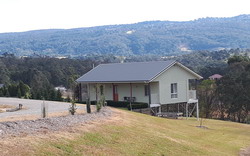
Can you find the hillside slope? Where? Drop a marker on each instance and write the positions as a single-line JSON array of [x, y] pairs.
[[128, 133], [153, 37]]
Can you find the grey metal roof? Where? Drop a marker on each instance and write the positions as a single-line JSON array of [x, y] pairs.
[[125, 72]]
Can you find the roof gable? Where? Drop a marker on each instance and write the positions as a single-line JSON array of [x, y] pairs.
[[175, 71]]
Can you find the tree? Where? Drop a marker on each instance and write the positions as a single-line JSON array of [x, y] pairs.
[[52, 95], [24, 89], [234, 88], [7, 94], [207, 97], [1, 92], [58, 95], [19, 95]]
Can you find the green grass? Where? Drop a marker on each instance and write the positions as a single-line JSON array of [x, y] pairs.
[[139, 134]]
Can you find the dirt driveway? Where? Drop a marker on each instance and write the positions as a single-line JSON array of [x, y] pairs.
[[32, 109]]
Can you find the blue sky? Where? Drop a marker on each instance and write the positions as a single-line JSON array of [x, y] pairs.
[[24, 15]]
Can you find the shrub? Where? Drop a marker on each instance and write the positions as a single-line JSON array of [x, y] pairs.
[[72, 108], [117, 103], [125, 104], [100, 103], [137, 105], [122, 104]]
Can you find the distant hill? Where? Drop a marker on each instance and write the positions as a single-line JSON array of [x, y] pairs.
[[152, 37]]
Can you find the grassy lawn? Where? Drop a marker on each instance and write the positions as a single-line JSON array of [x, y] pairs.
[[132, 133]]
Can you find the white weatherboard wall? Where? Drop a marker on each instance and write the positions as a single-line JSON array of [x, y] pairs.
[[124, 91], [137, 91], [175, 74], [92, 91], [154, 88], [108, 91]]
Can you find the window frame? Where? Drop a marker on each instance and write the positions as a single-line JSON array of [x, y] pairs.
[[174, 90]]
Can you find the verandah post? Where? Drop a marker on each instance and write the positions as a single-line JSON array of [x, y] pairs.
[[88, 100], [149, 95], [130, 97]]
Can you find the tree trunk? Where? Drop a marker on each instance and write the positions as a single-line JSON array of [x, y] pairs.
[[88, 106]]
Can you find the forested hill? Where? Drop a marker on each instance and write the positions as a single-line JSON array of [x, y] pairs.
[[153, 37]]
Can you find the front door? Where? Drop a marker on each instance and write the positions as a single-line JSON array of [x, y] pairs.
[[115, 93]]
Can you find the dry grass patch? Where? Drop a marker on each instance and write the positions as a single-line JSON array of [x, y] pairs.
[[128, 133], [6, 106], [138, 134]]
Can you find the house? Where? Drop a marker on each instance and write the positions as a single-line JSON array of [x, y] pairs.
[[215, 77], [156, 83]]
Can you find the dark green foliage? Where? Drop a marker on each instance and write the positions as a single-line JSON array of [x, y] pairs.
[[41, 73], [58, 95], [137, 105], [7, 94], [154, 37], [39, 76], [19, 93], [234, 89], [15, 90], [72, 108], [207, 98], [85, 102], [237, 59], [229, 97], [22, 90], [125, 104], [117, 103]]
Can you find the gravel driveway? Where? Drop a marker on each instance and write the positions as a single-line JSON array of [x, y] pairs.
[[33, 107]]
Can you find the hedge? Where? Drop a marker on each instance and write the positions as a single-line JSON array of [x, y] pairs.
[[117, 103], [138, 105], [124, 104], [84, 102]]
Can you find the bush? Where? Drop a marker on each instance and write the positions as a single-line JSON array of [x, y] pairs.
[[137, 105], [122, 104], [85, 102], [117, 103], [72, 108], [125, 104]]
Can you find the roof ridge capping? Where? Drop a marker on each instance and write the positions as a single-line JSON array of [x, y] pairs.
[[134, 62]]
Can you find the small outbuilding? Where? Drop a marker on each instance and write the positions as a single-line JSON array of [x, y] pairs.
[[215, 77]]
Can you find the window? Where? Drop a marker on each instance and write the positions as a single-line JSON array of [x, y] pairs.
[[146, 90], [174, 90]]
